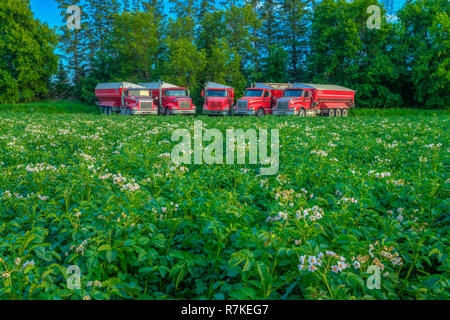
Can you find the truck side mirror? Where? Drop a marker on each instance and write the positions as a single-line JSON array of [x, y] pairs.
[[203, 93]]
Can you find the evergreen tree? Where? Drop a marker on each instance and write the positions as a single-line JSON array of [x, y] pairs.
[[296, 14]]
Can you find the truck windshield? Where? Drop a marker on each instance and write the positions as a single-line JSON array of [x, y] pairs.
[[293, 93], [176, 93], [254, 93], [138, 93], [217, 93]]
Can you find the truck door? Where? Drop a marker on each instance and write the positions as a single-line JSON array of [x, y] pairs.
[[267, 100], [305, 101], [124, 94]]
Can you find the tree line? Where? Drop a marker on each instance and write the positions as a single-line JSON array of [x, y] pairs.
[[188, 42]]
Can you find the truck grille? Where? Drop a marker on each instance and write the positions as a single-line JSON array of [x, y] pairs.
[[146, 105], [283, 105], [242, 105], [185, 104], [215, 105]]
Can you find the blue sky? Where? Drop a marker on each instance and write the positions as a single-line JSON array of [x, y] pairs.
[[47, 11]]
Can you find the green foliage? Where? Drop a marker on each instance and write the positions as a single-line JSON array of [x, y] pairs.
[[99, 193], [345, 51], [425, 31], [132, 46], [27, 58], [403, 64], [47, 107]]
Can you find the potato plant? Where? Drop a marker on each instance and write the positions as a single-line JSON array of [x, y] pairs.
[[352, 195]]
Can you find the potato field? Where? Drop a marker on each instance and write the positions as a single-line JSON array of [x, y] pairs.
[[359, 209]]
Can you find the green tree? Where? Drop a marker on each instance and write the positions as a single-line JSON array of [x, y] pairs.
[[60, 85], [184, 63], [275, 65], [223, 66], [345, 51], [425, 27], [27, 58], [296, 15]]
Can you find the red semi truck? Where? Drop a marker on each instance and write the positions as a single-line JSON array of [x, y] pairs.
[[304, 99], [125, 98], [170, 99], [219, 99], [260, 99]]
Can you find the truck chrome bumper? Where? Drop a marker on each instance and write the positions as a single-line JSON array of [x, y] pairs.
[[284, 112], [216, 112], [181, 112], [244, 112], [144, 112]]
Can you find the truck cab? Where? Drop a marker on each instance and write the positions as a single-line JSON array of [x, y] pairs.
[[296, 100], [260, 99], [218, 99], [138, 101], [124, 98], [171, 99]]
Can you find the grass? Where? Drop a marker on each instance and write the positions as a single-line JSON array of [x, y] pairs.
[[74, 106], [49, 107], [397, 112]]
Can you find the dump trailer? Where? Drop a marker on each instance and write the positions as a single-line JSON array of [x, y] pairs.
[[125, 98], [218, 99], [170, 99], [305, 99], [260, 99]]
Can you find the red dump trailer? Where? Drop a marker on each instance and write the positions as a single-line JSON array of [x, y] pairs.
[[305, 99], [170, 99], [260, 99], [219, 99], [125, 98]]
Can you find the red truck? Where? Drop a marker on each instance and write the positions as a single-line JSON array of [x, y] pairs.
[[170, 99], [305, 99], [260, 99], [219, 99], [125, 98]]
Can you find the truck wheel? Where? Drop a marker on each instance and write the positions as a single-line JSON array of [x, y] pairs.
[[302, 112], [167, 112], [344, 112], [260, 112], [331, 112], [338, 112]]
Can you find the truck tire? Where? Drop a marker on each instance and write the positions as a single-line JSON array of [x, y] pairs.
[[302, 112], [260, 112], [167, 112], [338, 113], [345, 112], [331, 112]]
